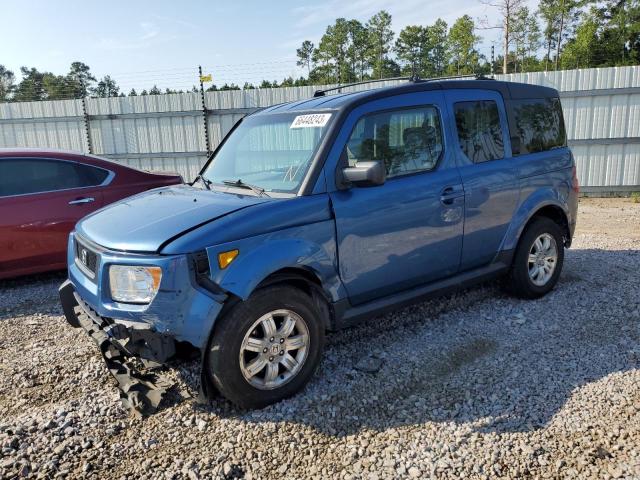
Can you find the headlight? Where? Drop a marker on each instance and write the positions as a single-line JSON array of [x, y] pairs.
[[131, 284]]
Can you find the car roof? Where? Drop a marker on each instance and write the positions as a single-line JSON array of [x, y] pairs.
[[340, 101], [55, 153]]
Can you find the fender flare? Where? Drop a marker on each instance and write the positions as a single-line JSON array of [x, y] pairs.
[[527, 210]]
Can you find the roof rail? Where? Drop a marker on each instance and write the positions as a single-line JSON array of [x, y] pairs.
[[321, 93], [413, 78]]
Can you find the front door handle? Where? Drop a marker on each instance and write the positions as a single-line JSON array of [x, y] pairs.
[[80, 201], [449, 195]]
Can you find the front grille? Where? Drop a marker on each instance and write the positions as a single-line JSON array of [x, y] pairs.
[[86, 259]]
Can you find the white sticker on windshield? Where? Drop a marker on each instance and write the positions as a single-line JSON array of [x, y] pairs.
[[311, 121]]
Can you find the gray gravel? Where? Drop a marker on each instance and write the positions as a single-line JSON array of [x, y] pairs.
[[473, 385]]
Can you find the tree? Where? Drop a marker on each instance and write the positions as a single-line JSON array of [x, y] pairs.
[[560, 17], [56, 87], [144, 92], [547, 10], [579, 51], [7, 79], [568, 13], [305, 55], [155, 91], [133, 93], [437, 45], [332, 52], [380, 40], [620, 36], [463, 46], [412, 48], [526, 35], [107, 87], [31, 86], [508, 10], [81, 79], [358, 48]]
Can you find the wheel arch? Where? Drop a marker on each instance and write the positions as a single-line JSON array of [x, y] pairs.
[[308, 281], [541, 204]]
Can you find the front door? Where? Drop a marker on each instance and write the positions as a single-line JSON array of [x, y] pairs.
[[408, 231], [40, 202]]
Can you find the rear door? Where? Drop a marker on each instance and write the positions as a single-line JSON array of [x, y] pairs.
[[407, 231], [491, 187], [40, 202]]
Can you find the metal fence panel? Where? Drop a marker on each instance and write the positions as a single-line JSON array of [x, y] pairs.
[[166, 132]]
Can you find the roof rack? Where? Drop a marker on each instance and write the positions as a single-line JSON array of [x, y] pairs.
[[320, 93], [413, 78]]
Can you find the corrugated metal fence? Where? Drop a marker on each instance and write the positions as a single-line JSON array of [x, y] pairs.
[[166, 132]]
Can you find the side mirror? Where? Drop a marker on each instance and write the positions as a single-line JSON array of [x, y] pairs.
[[366, 174]]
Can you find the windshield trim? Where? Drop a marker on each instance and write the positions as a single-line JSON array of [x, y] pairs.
[[312, 169]]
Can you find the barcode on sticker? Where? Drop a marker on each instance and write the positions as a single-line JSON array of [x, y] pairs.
[[312, 120]]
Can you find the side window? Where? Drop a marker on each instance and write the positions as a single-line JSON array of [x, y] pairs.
[[540, 124], [20, 176], [407, 140], [91, 176], [479, 131]]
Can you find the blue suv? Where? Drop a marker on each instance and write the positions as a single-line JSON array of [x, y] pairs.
[[317, 214]]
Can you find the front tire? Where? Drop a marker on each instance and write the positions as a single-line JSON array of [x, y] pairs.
[[538, 260], [266, 348]]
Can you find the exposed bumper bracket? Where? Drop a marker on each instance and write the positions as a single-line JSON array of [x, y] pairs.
[[141, 386]]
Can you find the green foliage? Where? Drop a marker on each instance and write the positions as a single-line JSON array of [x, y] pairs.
[[81, 79], [527, 40], [412, 48], [106, 87], [463, 43], [305, 55], [380, 44], [7, 79]]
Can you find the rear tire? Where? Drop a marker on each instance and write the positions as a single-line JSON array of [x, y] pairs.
[[538, 260], [266, 348]]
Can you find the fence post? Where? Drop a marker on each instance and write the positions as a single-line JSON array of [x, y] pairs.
[[86, 124], [204, 112]]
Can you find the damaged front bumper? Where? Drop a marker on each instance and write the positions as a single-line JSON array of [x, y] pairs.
[[136, 340], [132, 356]]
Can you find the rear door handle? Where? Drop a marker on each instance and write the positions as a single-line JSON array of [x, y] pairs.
[[449, 194], [80, 201]]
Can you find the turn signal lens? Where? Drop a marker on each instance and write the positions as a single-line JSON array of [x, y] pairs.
[[225, 258]]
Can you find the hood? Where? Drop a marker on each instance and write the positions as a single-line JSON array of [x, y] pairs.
[[144, 222]]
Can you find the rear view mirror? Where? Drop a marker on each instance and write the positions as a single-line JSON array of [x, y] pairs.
[[366, 174]]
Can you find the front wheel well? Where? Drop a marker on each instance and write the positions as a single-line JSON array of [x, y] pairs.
[[310, 284], [557, 215]]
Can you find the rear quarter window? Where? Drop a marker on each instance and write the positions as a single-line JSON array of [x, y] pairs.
[[479, 130], [539, 123]]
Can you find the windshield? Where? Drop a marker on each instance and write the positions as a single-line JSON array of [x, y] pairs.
[[272, 152]]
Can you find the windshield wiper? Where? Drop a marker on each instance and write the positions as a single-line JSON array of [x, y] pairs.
[[240, 184], [206, 182]]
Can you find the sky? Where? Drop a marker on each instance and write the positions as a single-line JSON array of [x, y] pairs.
[[141, 43]]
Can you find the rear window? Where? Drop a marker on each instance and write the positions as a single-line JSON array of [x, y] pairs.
[[479, 132], [539, 124]]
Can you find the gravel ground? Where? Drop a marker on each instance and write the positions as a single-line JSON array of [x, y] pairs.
[[473, 385]]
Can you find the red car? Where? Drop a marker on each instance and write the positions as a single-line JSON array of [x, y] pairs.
[[43, 193]]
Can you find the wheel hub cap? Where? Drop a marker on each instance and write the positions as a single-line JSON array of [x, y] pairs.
[[543, 257], [274, 349]]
